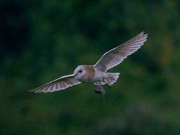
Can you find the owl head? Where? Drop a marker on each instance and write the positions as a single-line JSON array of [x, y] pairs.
[[79, 72]]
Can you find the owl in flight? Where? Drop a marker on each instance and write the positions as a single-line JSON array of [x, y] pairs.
[[97, 74]]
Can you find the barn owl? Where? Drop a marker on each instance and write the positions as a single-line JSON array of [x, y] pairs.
[[97, 73]]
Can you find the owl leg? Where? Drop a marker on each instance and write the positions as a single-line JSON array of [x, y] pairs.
[[99, 90]]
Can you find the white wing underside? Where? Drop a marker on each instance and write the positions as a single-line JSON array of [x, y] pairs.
[[116, 55], [58, 84]]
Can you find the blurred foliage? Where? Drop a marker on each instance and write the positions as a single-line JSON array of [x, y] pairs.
[[42, 40]]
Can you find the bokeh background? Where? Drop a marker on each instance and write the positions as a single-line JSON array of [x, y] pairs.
[[45, 39]]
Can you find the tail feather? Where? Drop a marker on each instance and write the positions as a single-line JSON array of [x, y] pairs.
[[112, 78]]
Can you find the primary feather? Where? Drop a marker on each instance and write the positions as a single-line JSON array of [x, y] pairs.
[[116, 55], [58, 84]]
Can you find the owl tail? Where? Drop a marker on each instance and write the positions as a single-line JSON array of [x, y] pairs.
[[112, 78]]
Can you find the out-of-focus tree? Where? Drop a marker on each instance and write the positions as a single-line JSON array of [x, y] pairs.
[[42, 40]]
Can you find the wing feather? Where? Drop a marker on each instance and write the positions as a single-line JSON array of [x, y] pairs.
[[116, 55], [58, 84]]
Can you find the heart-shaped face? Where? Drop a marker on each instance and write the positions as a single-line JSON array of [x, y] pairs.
[[79, 72]]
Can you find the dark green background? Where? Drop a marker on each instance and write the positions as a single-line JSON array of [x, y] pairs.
[[43, 40]]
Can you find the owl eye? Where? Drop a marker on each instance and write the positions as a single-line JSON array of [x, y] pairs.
[[80, 71]]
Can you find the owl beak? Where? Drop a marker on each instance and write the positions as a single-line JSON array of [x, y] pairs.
[[75, 75]]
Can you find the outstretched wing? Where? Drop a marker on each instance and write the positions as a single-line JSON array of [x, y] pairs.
[[116, 55], [58, 84]]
